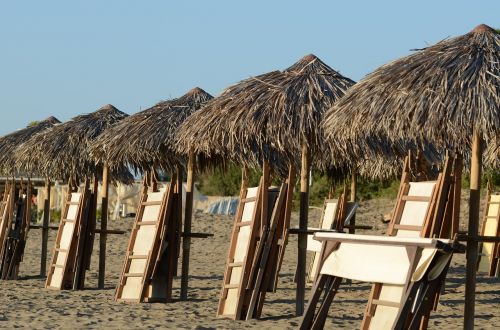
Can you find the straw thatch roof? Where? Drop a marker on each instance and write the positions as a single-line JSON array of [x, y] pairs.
[[439, 95], [10, 142], [62, 150], [268, 116], [145, 139]]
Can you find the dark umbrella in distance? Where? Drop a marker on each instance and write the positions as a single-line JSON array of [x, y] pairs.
[[447, 94]]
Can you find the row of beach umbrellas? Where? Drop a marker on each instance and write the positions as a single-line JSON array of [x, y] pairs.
[[443, 97]]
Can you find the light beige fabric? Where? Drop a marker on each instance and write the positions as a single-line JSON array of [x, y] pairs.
[[414, 212], [371, 262], [240, 252], [328, 217], [491, 229], [65, 242], [143, 245]]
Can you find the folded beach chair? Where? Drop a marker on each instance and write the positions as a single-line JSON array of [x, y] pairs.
[[336, 213], [243, 251], [489, 251], [6, 207], [257, 246], [15, 231], [151, 258], [408, 266], [71, 253]]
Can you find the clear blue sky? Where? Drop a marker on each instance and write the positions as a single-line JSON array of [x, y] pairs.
[[65, 58]]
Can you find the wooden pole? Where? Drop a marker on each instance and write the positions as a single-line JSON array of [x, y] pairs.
[[472, 246], [104, 226], [354, 188], [45, 228], [264, 218], [302, 238], [188, 215], [92, 218], [457, 193], [154, 180], [244, 177]]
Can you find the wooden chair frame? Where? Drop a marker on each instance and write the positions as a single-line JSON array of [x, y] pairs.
[[158, 265], [438, 222], [494, 269]]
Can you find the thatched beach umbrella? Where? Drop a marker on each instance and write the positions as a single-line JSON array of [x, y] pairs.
[[275, 116], [63, 151], [145, 141], [9, 143], [447, 94]]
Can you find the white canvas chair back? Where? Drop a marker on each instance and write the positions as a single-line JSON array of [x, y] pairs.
[[329, 217], [412, 209], [488, 261], [142, 246], [137, 281], [242, 249], [65, 241], [415, 209], [242, 237], [326, 222], [314, 246]]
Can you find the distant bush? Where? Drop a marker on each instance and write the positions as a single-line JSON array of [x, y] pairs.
[[227, 183], [55, 215], [490, 175]]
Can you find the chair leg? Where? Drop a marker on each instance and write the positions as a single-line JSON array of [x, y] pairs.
[[331, 291], [317, 289], [404, 314]]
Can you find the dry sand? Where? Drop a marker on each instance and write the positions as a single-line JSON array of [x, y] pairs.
[[25, 302]]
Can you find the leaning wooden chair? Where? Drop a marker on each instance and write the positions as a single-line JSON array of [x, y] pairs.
[[242, 251], [16, 233], [335, 215], [151, 258], [408, 268], [66, 268], [257, 245], [489, 251], [6, 207]]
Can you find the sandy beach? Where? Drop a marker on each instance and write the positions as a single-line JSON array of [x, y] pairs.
[[25, 302]]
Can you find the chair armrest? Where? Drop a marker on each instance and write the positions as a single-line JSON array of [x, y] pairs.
[[433, 243]]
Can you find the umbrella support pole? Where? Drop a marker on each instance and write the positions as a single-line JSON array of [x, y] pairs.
[[354, 188], [45, 229], [472, 246], [302, 239], [104, 226], [188, 216]]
